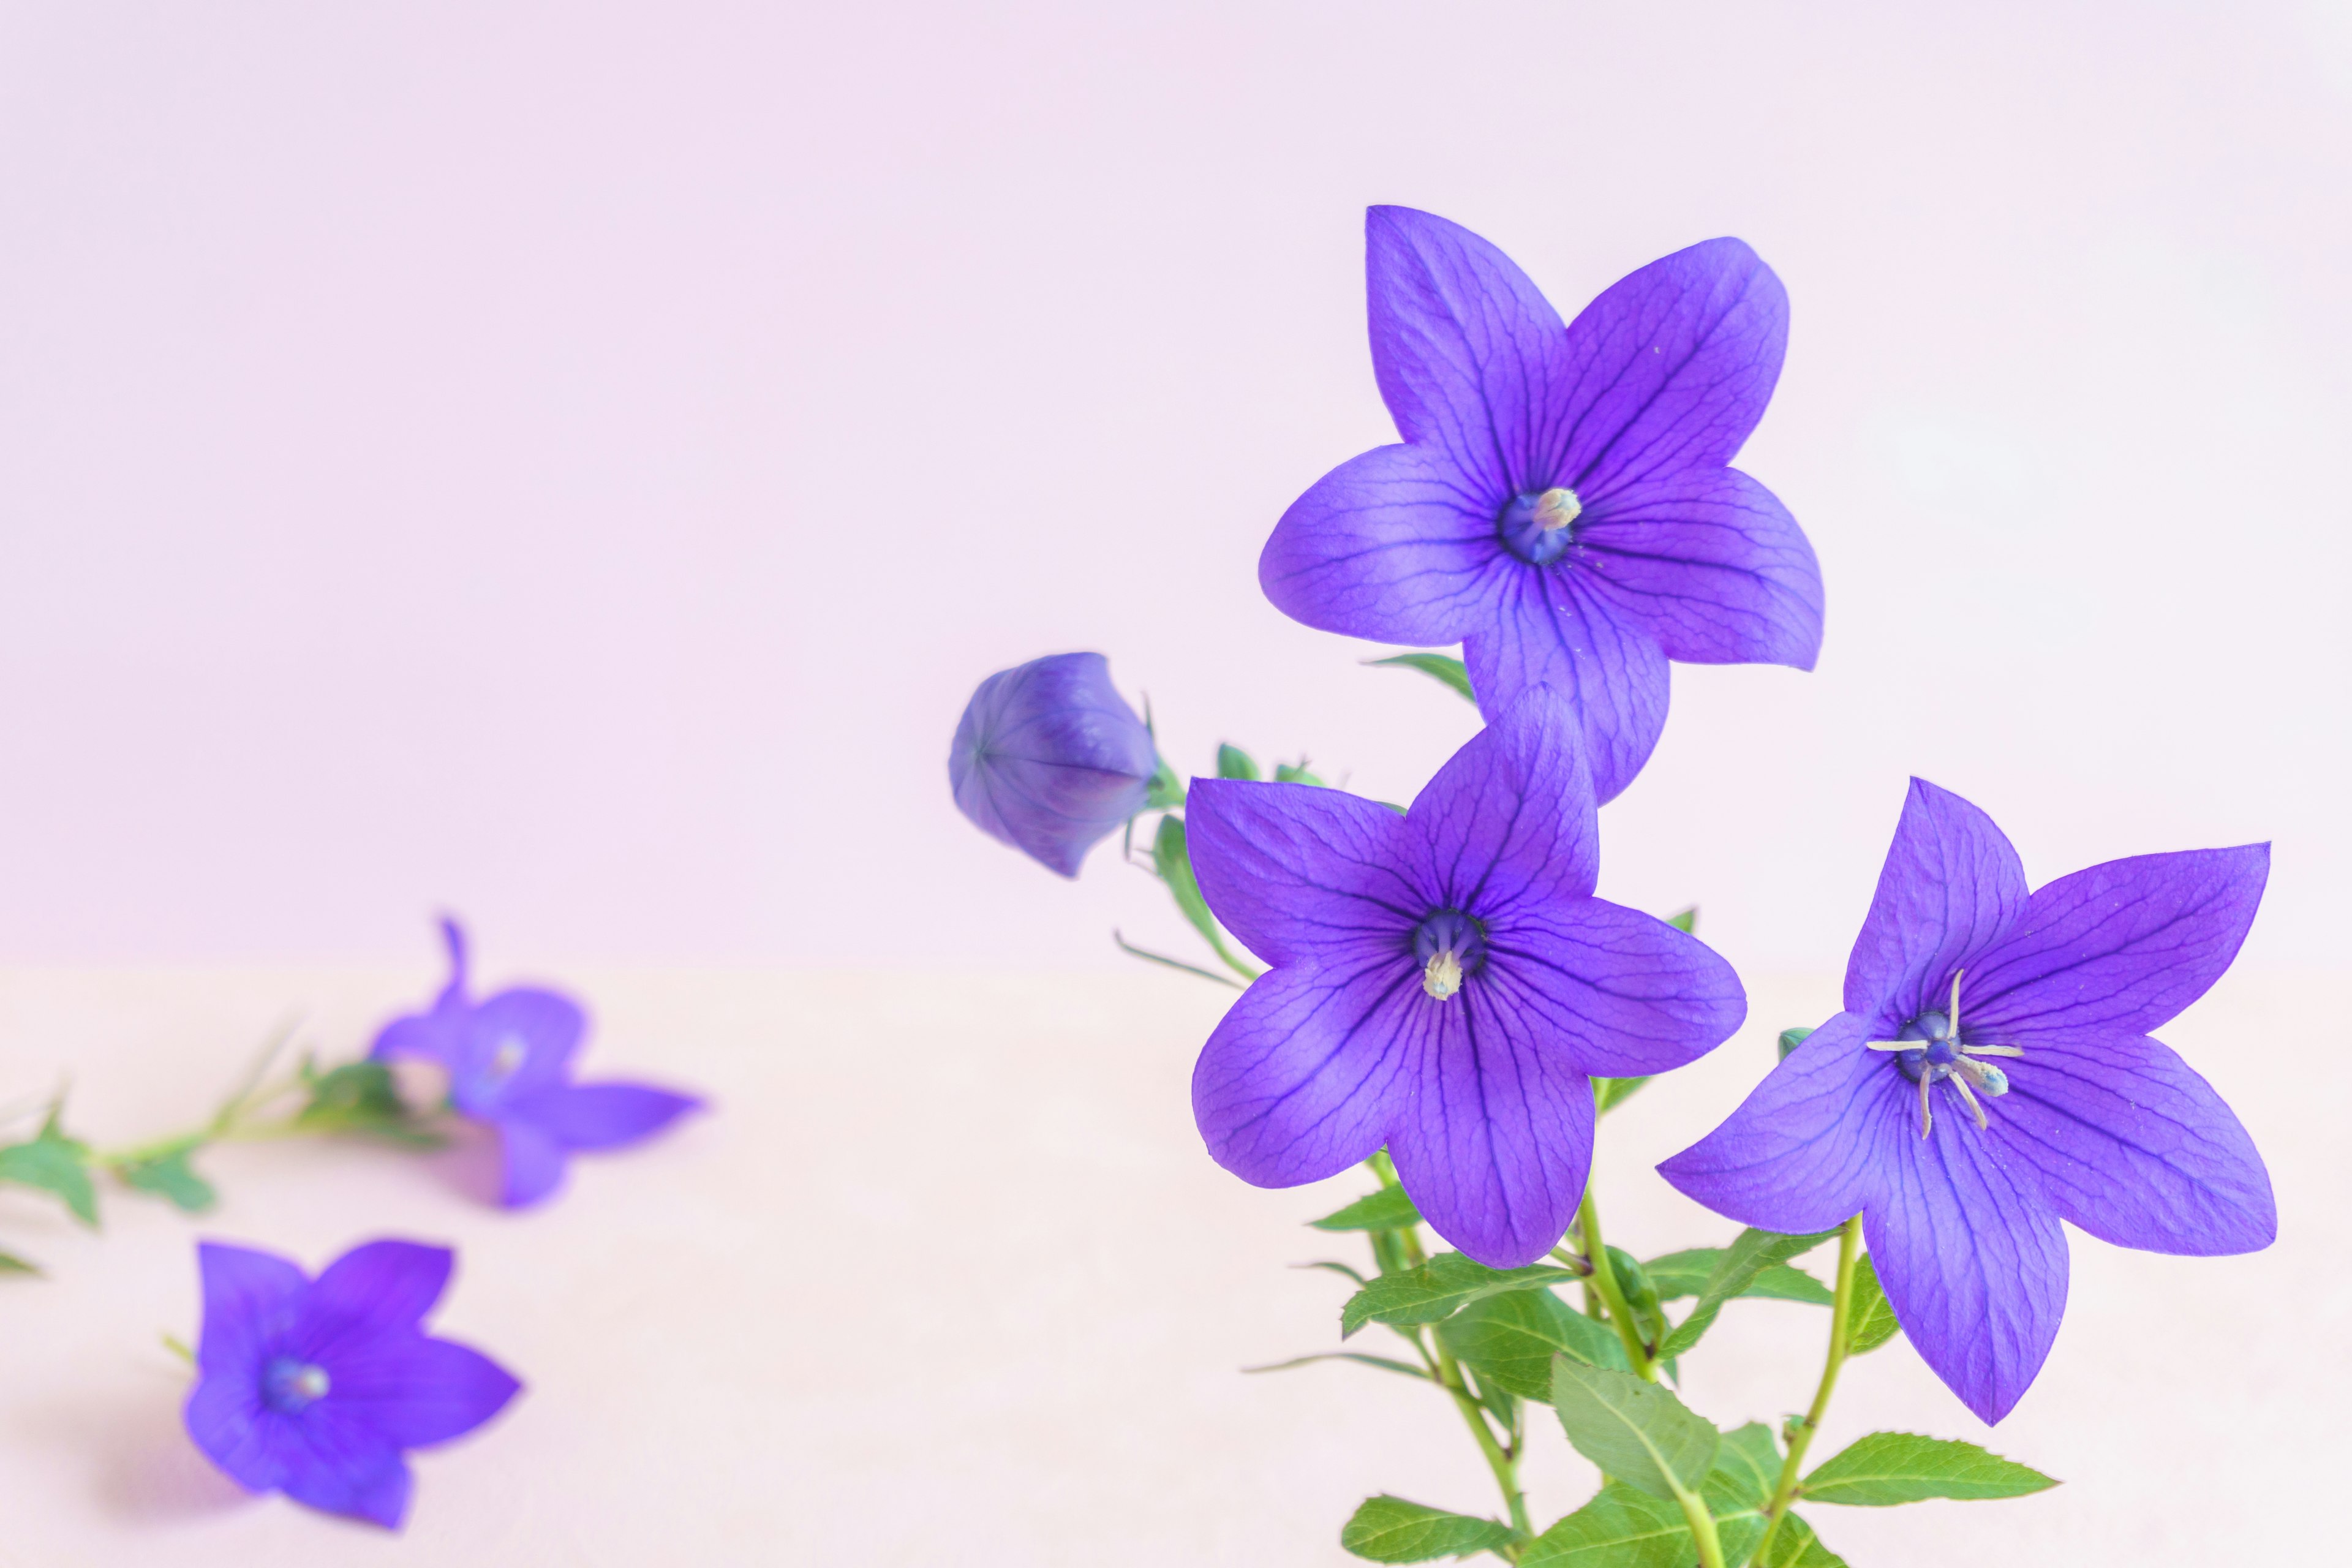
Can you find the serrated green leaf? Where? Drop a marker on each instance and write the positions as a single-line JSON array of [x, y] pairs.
[[1173, 861], [12, 1263], [1388, 1209], [1391, 1529], [1742, 1262], [53, 1163], [1870, 1318], [1609, 1094], [1889, 1468], [1233, 762], [1637, 1432], [1619, 1528], [1790, 1039], [1443, 667], [1747, 1469], [171, 1177], [1795, 1546], [1435, 1289], [1687, 921], [1685, 1273], [1284, 773], [1511, 1338], [1384, 1362]]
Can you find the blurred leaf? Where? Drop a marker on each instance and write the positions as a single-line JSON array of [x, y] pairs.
[[1889, 1468], [1391, 1529], [1432, 1291], [1233, 762], [1511, 1338], [1173, 861], [1742, 1262], [1798, 1547], [1609, 1094], [1336, 1268], [1151, 957], [1388, 1209], [1687, 921], [1747, 1469], [1637, 1432], [54, 1163], [1685, 1273], [171, 1177], [1383, 1363], [359, 1096], [12, 1263], [1790, 1039], [1869, 1318], [1284, 773], [1443, 667]]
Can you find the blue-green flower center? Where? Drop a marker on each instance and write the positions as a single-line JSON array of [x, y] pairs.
[[1450, 947], [1537, 526], [291, 1385]]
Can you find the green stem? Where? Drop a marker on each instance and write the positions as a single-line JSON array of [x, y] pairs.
[[1801, 1436], [1504, 1465], [1702, 1525], [1604, 1280]]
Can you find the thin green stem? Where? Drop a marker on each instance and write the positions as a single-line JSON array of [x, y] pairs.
[[1702, 1524], [1504, 1463], [1800, 1435], [1604, 1280]]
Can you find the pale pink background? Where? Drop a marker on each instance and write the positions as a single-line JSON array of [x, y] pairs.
[[570, 462]]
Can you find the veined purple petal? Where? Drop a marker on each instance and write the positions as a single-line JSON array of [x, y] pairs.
[[225, 1419], [531, 1162], [602, 1115], [414, 1391], [1671, 368], [2125, 945], [1497, 1140], [1306, 1074], [516, 1044], [1952, 886], [1797, 1155], [1972, 1261], [1394, 546], [1552, 628], [1298, 872], [247, 1296], [379, 1286], [1049, 757], [338, 1463], [2132, 1145], [1467, 351], [1509, 821], [1620, 994], [1711, 564]]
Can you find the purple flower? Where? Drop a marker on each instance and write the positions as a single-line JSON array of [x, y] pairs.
[[508, 1060], [315, 1388], [1561, 504], [1442, 983], [1049, 757], [1992, 1075]]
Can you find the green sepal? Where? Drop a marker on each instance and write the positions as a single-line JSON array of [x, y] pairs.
[[1167, 790], [1742, 1262], [171, 1177], [1798, 1547], [1173, 861], [1609, 1094], [1388, 1209], [1385, 1364], [1685, 1273], [1890, 1468], [12, 1263], [54, 1163], [1434, 1290], [1511, 1338], [1636, 1432], [1641, 1295], [359, 1096], [1790, 1039], [1285, 774], [1441, 666], [1687, 921], [1870, 1318], [1390, 1530], [1233, 762]]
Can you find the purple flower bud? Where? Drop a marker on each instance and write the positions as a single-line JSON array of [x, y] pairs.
[[1049, 757]]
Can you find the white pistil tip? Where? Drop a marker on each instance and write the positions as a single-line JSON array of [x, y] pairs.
[[1443, 978], [1556, 509]]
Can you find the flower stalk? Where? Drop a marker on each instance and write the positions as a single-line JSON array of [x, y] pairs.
[[1604, 1280], [1800, 1434]]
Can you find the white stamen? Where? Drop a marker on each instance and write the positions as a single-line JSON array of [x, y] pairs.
[[1443, 978], [1990, 1080], [1992, 1051], [1556, 509], [1926, 1117], [1960, 1082], [1895, 1045]]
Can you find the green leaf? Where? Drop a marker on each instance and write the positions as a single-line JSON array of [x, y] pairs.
[[12, 1263], [1336, 1268], [1685, 1273], [1284, 773], [1637, 1432], [1173, 861], [1889, 1468], [1609, 1094], [1742, 1262], [171, 1177], [1151, 957], [1432, 1291], [1383, 1363], [1747, 1469], [359, 1096], [1869, 1318], [1687, 921], [1391, 1529], [1443, 667], [54, 1163], [1790, 1039], [1619, 1528], [1798, 1547], [1510, 1340], [1233, 762], [1388, 1209]]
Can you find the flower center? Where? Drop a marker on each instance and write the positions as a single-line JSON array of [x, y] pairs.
[[1536, 525], [290, 1386], [1929, 1050], [1451, 947], [507, 1057]]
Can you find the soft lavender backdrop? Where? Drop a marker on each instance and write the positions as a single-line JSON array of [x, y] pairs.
[[571, 463]]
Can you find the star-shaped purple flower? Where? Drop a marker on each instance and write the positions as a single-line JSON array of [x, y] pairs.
[[316, 1388], [1992, 1074], [509, 1058], [1442, 983], [1561, 504]]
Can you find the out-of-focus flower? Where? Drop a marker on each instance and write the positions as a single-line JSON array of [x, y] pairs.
[[1992, 1075], [508, 1057], [1561, 504], [317, 1388], [1444, 983], [1050, 759]]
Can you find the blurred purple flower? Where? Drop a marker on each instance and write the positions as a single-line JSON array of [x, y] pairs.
[[1049, 757], [315, 1388], [1561, 503], [1965, 989], [508, 1060], [1442, 983]]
